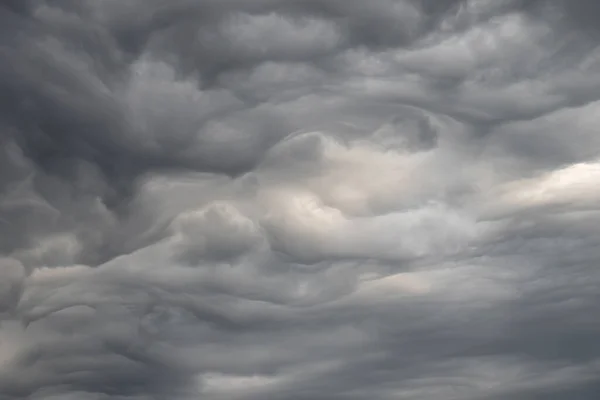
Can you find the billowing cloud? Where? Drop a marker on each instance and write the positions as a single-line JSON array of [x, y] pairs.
[[299, 199]]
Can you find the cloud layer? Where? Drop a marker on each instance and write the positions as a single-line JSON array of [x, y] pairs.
[[299, 199]]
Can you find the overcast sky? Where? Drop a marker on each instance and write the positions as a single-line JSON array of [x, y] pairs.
[[299, 199]]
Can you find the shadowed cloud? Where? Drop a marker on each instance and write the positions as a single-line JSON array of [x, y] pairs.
[[299, 199]]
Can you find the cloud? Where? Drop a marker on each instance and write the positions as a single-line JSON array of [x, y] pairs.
[[304, 199]]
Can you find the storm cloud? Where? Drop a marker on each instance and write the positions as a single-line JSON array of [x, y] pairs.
[[299, 199]]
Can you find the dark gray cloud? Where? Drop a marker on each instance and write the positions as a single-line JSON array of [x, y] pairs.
[[299, 199]]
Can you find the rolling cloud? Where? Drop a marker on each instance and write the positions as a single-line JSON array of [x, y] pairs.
[[299, 199]]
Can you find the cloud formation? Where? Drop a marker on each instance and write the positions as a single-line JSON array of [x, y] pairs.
[[299, 199]]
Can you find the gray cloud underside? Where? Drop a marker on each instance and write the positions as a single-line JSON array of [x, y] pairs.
[[299, 199]]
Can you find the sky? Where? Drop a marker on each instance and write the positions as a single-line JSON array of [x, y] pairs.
[[299, 199]]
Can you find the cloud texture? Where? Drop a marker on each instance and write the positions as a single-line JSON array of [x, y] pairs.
[[299, 199]]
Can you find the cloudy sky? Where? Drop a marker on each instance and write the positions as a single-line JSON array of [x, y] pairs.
[[299, 199]]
